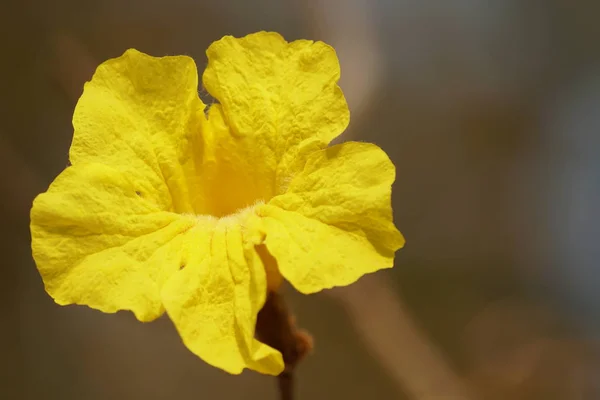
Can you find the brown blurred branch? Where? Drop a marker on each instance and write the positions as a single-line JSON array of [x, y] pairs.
[[389, 332]]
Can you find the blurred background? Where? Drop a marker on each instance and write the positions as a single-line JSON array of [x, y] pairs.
[[490, 111]]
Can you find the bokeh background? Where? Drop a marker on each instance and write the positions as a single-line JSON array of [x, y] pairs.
[[489, 109]]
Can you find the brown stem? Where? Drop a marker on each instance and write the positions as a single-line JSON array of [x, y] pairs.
[[286, 385], [276, 327]]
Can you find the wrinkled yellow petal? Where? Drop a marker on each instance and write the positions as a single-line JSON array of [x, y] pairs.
[[278, 102], [215, 298], [100, 239], [142, 115], [105, 234], [334, 224]]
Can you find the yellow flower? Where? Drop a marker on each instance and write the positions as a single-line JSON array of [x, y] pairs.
[[169, 207]]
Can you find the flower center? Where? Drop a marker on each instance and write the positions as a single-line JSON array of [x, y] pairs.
[[225, 220], [246, 218]]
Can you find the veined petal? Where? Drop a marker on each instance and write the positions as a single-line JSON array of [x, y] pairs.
[[100, 239], [334, 223], [215, 298], [142, 115], [278, 101]]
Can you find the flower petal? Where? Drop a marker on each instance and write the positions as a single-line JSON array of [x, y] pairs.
[[277, 99], [99, 238], [142, 115], [215, 299], [334, 224]]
